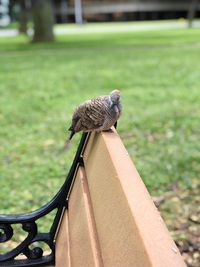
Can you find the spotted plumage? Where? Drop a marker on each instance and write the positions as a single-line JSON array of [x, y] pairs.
[[97, 114]]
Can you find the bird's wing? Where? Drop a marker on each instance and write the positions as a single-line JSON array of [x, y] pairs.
[[75, 121], [90, 115]]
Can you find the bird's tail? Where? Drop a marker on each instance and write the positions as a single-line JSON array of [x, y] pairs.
[[72, 132], [71, 135], [67, 142]]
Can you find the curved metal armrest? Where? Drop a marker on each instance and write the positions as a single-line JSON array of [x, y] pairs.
[[35, 256]]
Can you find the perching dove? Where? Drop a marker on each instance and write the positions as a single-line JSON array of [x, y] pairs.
[[97, 114]]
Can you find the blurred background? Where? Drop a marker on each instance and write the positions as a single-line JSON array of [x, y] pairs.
[[56, 54]]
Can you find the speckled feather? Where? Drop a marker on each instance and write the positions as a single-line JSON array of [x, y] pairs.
[[97, 114]]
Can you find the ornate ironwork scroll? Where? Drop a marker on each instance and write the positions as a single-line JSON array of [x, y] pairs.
[[35, 256]]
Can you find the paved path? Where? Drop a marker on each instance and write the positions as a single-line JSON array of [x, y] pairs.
[[113, 27]]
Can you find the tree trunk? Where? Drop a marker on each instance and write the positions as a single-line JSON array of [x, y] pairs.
[[191, 12], [43, 20], [23, 17]]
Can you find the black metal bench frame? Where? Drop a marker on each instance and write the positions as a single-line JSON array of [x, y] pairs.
[[28, 221]]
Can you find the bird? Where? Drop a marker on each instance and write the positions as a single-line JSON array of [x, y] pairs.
[[98, 114]]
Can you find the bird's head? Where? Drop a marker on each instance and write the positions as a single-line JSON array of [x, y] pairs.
[[115, 96]]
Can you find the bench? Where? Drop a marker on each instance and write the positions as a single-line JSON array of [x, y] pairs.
[[105, 215]]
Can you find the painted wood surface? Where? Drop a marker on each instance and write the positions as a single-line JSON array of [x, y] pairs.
[[112, 220]]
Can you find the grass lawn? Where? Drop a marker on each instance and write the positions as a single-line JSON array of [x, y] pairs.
[[41, 84]]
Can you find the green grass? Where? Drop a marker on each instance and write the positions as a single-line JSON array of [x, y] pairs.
[[40, 85]]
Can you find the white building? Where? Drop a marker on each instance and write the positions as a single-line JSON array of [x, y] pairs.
[[121, 10]]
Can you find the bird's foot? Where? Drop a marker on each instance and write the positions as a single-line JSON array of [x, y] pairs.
[[108, 130], [102, 130]]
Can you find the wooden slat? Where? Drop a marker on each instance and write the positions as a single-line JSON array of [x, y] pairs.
[[84, 248], [130, 229], [62, 244]]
